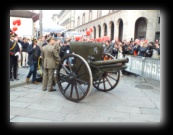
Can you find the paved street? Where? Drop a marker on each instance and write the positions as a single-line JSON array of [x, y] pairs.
[[130, 101]]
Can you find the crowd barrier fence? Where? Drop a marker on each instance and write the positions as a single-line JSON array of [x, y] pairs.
[[144, 66]]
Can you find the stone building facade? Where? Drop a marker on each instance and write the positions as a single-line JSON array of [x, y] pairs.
[[124, 24], [67, 19], [55, 18]]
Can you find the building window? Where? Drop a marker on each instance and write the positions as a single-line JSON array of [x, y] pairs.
[[159, 20], [90, 15], [140, 28], [78, 21], [83, 19]]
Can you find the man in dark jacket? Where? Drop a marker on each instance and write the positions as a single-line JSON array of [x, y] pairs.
[[142, 50], [34, 53], [124, 48], [14, 53], [107, 48], [149, 50], [64, 50], [115, 50], [45, 43]]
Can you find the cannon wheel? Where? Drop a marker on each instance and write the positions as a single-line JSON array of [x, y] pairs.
[[69, 77], [109, 79]]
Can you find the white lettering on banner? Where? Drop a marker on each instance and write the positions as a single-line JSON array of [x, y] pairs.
[[158, 71], [154, 69], [136, 65], [148, 67]]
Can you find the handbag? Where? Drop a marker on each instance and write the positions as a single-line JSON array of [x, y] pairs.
[[39, 74]]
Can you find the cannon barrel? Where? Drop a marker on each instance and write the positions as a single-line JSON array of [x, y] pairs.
[[108, 62]]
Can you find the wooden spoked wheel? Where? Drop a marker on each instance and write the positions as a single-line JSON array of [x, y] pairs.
[[109, 79], [74, 77]]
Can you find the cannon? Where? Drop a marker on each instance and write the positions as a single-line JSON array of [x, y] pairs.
[[85, 66]]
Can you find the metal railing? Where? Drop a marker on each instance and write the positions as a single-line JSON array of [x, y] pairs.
[[144, 66]]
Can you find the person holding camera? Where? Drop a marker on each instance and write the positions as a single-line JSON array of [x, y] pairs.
[[34, 53], [156, 51], [149, 51], [142, 50], [115, 50], [136, 47]]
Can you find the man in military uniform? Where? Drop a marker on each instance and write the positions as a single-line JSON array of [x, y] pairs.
[[57, 47], [14, 52], [40, 42], [50, 59]]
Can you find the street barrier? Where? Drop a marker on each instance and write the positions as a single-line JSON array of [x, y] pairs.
[[144, 66]]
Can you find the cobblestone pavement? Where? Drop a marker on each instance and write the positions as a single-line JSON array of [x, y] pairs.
[[130, 101]]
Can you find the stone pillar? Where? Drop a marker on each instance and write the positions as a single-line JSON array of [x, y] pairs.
[[108, 30], [116, 29], [151, 29]]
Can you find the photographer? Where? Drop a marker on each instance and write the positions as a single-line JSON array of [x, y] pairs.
[[156, 52], [115, 50], [136, 47], [142, 50], [129, 50], [65, 49], [124, 48], [149, 50]]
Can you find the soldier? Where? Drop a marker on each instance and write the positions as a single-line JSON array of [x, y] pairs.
[[57, 47], [50, 59], [14, 52], [40, 42]]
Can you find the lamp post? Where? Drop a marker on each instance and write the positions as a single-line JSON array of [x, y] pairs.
[[40, 21]]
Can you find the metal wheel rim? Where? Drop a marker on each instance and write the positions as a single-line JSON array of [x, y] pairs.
[[75, 85], [105, 80]]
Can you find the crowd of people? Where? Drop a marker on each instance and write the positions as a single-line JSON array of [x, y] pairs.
[[135, 48], [48, 50], [44, 51]]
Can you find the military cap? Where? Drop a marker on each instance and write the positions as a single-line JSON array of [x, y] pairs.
[[40, 37], [13, 35], [34, 39], [50, 38]]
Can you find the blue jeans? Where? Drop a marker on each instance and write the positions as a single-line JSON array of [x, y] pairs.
[[62, 40], [33, 71]]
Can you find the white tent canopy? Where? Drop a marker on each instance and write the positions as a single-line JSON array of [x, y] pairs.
[[49, 26]]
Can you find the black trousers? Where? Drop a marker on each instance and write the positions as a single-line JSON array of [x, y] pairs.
[[13, 66]]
